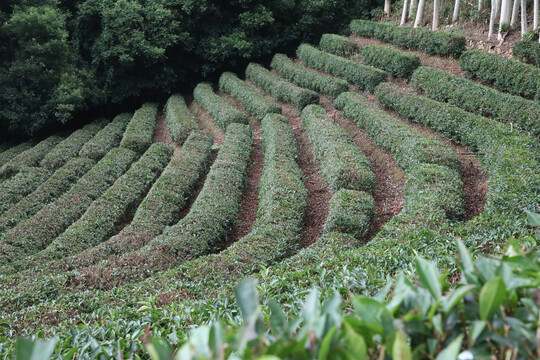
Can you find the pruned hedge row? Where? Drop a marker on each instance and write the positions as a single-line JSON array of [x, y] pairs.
[[395, 62], [308, 78], [60, 182], [338, 45], [161, 207], [365, 77], [280, 88], [140, 130], [408, 146], [432, 42], [71, 146], [23, 183], [103, 216], [219, 109], [343, 165], [30, 157], [443, 86], [180, 121], [276, 231], [350, 212], [204, 229], [527, 51], [504, 74], [511, 159], [106, 139], [252, 100], [13, 151], [36, 233]]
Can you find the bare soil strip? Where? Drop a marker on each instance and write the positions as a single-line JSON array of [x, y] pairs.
[[389, 178], [473, 176], [205, 122], [250, 199], [445, 63], [161, 133]]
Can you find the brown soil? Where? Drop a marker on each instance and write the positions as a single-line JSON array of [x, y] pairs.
[[389, 178], [318, 192], [473, 176], [444, 63], [161, 133], [250, 198], [205, 122]]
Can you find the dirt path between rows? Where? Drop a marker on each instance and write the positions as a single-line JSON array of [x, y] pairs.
[[205, 122], [389, 178], [473, 176], [249, 204], [161, 133]]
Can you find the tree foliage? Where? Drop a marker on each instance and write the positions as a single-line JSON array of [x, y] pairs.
[[60, 57]]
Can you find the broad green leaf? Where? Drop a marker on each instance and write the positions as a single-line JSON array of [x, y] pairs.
[[310, 310], [450, 300], [492, 295], [369, 311], [354, 343], [216, 339], [26, 349], [533, 218], [246, 295], [476, 329], [429, 276], [465, 257], [158, 350], [401, 350], [437, 323], [451, 352], [326, 344], [278, 321]]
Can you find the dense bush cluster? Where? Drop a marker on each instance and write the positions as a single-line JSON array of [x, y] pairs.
[[279, 88], [72, 56], [71, 146], [395, 62], [251, 100], [275, 234], [511, 159], [169, 195], [350, 212], [13, 151], [408, 146], [59, 182], [180, 121], [343, 165], [107, 212], [219, 109], [433, 42], [23, 183], [506, 75], [482, 100], [107, 138], [365, 77], [36, 233], [30, 157], [527, 51], [308, 78], [139, 132], [338, 45], [205, 227]]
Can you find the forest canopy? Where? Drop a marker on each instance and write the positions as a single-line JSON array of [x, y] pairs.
[[59, 58]]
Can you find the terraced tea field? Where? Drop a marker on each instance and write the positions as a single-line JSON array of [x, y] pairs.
[[334, 169]]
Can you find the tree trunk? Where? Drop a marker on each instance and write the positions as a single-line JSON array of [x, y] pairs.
[[412, 7], [515, 11], [419, 13], [535, 14], [404, 13], [505, 16], [523, 17], [495, 4], [480, 5], [387, 7], [436, 11], [456, 11]]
